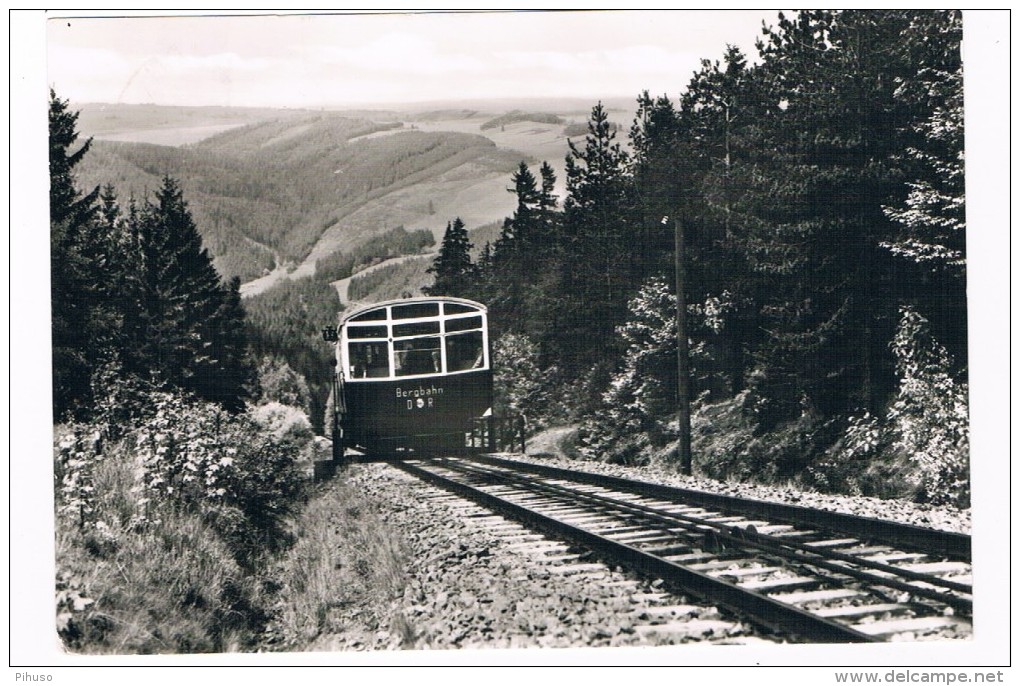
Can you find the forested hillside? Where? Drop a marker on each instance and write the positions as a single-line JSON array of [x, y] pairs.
[[519, 116], [175, 461], [265, 193], [394, 243], [820, 192]]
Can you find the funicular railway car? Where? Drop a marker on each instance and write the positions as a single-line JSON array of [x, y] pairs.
[[411, 374]]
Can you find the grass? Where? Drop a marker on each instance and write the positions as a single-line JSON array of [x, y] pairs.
[[344, 577], [806, 452], [164, 536], [136, 576], [166, 585]]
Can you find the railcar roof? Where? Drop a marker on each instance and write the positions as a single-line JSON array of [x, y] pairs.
[[404, 301]]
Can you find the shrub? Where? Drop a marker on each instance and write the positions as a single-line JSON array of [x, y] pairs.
[[728, 444], [76, 455], [140, 574], [638, 407], [930, 414], [521, 387], [162, 535], [230, 467], [286, 423], [278, 382], [641, 396]]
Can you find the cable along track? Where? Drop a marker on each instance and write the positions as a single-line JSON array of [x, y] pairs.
[[809, 582]]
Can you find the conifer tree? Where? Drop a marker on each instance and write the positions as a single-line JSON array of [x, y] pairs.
[[454, 273], [810, 219], [232, 373], [600, 264], [192, 333], [663, 186], [929, 240], [66, 202], [519, 230], [599, 189], [80, 329], [720, 120], [547, 197]]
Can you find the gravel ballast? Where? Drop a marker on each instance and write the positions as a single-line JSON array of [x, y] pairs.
[[477, 580], [543, 449]]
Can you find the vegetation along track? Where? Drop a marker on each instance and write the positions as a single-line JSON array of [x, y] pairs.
[[809, 574]]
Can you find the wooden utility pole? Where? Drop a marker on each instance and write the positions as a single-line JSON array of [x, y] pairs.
[[683, 364]]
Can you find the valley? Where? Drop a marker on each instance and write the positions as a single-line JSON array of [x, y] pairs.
[[274, 191]]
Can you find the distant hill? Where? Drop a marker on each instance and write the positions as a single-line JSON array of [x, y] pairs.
[[265, 193], [397, 278], [167, 125], [519, 116], [273, 191], [481, 235]]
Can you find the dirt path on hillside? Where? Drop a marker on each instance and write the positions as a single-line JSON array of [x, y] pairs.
[[343, 285], [264, 282]]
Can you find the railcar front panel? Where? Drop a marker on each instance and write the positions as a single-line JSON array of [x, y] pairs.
[[415, 413], [413, 373]]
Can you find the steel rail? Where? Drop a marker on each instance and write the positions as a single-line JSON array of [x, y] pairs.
[[800, 552], [764, 610], [948, 544]]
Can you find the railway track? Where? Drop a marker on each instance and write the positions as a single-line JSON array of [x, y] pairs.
[[805, 574]]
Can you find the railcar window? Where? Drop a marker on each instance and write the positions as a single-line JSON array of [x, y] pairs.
[[464, 351], [457, 308], [418, 356], [360, 332], [416, 310], [464, 324], [368, 360], [371, 316], [416, 329]]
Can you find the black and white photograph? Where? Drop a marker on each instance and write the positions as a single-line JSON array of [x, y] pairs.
[[513, 338]]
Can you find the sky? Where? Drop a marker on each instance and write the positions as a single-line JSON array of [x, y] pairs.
[[386, 58]]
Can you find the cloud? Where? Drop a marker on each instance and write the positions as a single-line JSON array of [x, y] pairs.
[[399, 54], [186, 65], [86, 73], [619, 62], [320, 60]]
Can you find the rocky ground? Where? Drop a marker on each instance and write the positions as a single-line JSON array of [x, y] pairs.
[[548, 448], [476, 580]]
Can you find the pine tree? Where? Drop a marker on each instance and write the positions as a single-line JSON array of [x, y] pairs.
[[599, 189], [80, 328], [114, 255], [232, 373], [810, 222], [66, 202], [600, 263], [454, 273], [547, 197], [518, 231], [931, 224], [719, 125], [193, 336]]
